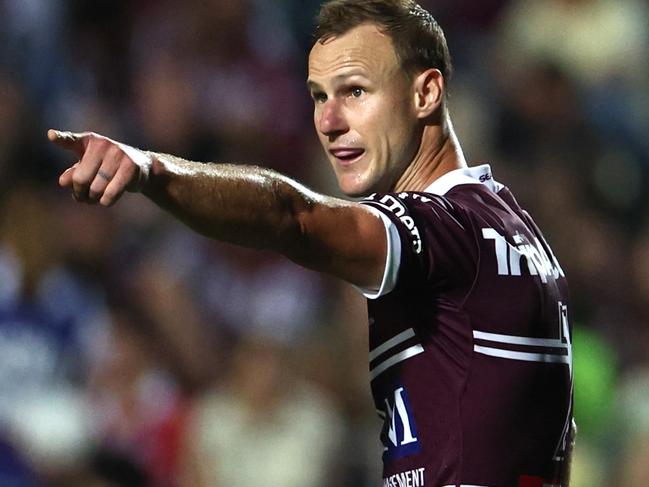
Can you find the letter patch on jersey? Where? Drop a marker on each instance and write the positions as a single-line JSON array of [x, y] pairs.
[[399, 431]]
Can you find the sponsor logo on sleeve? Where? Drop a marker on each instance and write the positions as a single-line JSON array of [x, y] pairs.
[[392, 204], [400, 432]]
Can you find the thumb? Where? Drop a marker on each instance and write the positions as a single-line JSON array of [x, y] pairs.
[[75, 142]]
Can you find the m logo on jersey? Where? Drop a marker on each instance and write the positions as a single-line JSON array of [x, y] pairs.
[[399, 432]]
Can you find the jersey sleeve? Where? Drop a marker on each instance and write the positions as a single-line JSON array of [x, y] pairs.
[[430, 240]]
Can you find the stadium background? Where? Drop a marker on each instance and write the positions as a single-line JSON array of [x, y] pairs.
[[134, 351]]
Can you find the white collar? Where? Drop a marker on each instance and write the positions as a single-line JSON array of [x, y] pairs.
[[466, 175]]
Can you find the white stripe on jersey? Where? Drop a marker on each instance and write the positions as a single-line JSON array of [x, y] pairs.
[[516, 340], [527, 356], [395, 359], [392, 342], [494, 351]]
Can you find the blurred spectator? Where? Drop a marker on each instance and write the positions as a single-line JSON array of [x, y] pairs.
[[602, 44], [593, 40], [50, 321], [246, 95], [263, 423], [138, 408]]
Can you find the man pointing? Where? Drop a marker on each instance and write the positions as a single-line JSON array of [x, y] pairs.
[[470, 347]]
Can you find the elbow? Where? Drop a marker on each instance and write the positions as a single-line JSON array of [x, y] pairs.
[[297, 230], [298, 226]]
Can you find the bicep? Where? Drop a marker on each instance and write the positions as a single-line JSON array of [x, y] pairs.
[[346, 240]]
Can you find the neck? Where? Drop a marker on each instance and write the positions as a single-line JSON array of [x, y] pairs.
[[438, 154]]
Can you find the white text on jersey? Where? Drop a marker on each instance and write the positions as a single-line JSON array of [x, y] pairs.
[[411, 478], [509, 256], [395, 206]]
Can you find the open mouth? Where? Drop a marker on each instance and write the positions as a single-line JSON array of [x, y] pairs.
[[347, 156]]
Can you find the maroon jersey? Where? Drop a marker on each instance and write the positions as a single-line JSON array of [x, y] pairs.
[[470, 349]]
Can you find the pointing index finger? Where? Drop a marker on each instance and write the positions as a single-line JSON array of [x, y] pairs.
[[69, 140]]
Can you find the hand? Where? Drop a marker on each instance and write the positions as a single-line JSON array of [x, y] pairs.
[[106, 168]]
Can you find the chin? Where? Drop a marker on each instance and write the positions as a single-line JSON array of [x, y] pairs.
[[354, 189], [360, 183], [363, 188]]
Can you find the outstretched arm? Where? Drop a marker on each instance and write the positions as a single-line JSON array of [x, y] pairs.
[[245, 205]]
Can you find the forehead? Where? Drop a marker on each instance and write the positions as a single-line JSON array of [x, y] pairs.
[[363, 48]]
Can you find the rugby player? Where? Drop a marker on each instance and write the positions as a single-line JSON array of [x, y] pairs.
[[470, 349]]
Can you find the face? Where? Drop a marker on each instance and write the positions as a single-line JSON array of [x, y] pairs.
[[364, 109]]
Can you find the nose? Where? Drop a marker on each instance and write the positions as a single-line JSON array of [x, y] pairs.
[[330, 119]]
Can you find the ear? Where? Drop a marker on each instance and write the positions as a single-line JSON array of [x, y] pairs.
[[429, 92]]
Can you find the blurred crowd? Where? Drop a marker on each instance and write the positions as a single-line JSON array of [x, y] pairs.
[[136, 353]]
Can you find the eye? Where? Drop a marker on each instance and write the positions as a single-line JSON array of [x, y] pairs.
[[356, 91], [319, 97]]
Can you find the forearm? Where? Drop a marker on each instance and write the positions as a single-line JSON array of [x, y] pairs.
[[245, 205]]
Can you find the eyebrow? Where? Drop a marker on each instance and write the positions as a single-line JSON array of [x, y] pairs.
[[337, 79], [312, 85]]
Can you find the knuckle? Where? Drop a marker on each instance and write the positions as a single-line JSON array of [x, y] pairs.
[[113, 151], [124, 160], [97, 140], [79, 179]]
